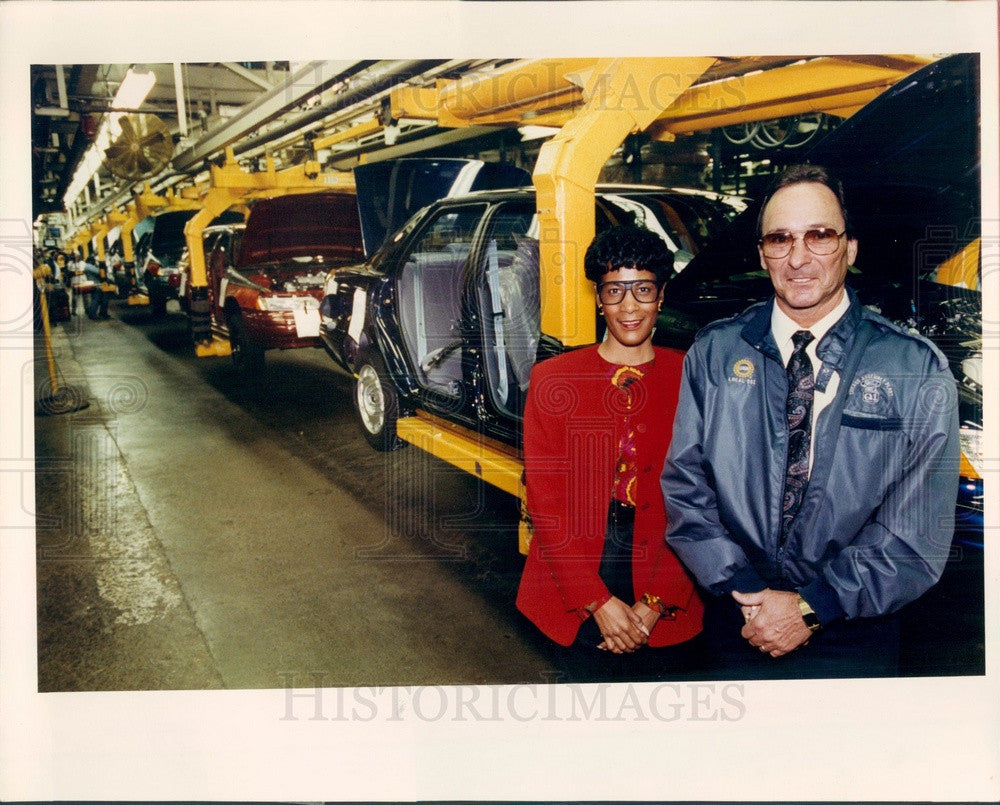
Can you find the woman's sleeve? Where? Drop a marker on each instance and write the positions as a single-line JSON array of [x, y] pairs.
[[559, 462]]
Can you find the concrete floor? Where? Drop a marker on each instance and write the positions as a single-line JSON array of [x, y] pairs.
[[196, 533]]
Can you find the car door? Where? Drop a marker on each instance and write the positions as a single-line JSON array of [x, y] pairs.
[[503, 321], [429, 277]]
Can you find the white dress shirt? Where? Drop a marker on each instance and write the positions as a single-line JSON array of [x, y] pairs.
[[783, 328]]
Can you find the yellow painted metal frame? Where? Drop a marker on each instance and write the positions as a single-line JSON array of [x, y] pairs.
[[146, 203], [962, 269], [829, 84], [548, 91], [623, 96], [355, 132], [470, 452]]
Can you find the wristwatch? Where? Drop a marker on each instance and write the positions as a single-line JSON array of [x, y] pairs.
[[808, 615]]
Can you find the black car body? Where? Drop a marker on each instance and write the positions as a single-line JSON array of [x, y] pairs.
[[158, 254], [445, 317]]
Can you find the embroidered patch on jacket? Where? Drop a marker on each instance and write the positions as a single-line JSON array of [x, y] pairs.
[[743, 371], [872, 394]]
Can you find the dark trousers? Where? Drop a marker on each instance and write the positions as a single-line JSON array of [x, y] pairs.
[[96, 304], [864, 647]]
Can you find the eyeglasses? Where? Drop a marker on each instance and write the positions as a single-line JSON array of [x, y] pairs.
[[613, 293], [818, 241]]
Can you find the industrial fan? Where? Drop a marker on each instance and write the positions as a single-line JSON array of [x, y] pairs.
[[142, 149]]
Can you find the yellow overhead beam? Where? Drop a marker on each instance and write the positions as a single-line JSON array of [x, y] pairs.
[[623, 97], [511, 95], [147, 202], [529, 85], [547, 91], [818, 85]]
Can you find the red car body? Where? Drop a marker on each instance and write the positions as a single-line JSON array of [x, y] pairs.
[[265, 284]]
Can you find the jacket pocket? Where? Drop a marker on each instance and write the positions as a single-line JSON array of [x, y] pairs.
[[870, 422]]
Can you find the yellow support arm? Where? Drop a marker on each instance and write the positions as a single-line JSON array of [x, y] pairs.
[[353, 133], [218, 200], [231, 185], [623, 96], [132, 217]]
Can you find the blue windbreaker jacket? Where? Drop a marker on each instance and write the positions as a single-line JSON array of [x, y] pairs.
[[876, 523]]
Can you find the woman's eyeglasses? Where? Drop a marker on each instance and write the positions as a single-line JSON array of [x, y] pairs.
[[819, 241], [612, 293]]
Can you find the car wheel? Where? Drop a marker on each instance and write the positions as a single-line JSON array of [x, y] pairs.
[[377, 404], [248, 357]]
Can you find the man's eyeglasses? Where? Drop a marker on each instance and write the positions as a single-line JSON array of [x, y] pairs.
[[612, 293], [818, 241]]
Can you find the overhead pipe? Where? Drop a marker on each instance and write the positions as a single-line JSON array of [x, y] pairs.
[[304, 83], [182, 125], [377, 77]]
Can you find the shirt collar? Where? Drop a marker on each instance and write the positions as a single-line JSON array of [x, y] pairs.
[[783, 327]]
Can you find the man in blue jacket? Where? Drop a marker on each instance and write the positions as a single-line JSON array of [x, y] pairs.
[[812, 475]]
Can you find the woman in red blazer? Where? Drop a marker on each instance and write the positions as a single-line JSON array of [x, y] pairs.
[[599, 578]]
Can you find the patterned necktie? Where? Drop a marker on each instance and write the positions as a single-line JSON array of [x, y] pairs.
[[798, 409]]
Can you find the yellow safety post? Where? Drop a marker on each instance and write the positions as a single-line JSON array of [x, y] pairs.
[[41, 276], [60, 400], [623, 97]]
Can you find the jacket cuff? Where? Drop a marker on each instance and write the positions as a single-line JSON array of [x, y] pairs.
[[745, 580], [823, 599]]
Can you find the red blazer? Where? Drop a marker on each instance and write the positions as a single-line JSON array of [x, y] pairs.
[[570, 443]]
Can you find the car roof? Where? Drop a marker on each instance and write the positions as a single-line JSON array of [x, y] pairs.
[[601, 190]]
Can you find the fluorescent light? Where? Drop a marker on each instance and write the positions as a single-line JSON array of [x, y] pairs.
[[133, 90]]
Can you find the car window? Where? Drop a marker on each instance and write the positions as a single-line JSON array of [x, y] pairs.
[[139, 252], [686, 223], [429, 288]]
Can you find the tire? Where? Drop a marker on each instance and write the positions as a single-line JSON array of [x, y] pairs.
[[377, 404], [248, 357]]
